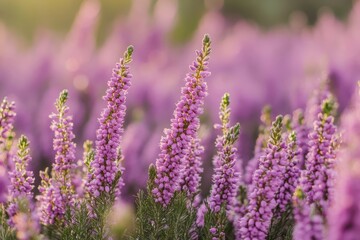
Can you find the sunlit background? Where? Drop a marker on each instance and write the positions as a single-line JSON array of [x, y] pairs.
[[26, 18]]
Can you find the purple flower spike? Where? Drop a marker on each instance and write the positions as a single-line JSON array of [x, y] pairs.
[[318, 177], [191, 178], [291, 176], [308, 224], [21, 180], [51, 204], [106, 170], [63, 142], [176, 143], [226, 178], [266, 181], [7, 116], [58, 193]]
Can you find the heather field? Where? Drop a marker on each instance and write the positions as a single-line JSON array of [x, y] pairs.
[[179, 119]]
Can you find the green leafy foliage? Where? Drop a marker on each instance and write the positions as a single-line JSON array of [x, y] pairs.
[[6, 232], [281, 228], [218, 220], [153, 221], [81, 226]]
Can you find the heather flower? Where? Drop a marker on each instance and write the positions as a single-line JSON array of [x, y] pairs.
[[63, 144], [302, 131], [226, 179], [190, 182], [318, 177], [176, 143], [291, 175], [260, 144], [7, 116], [267, 180], [308, 224], [21, 179], [58, 192], [344, 215], [106, 170], [51, 201]]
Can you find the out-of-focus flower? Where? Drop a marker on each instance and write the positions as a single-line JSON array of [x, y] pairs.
[[344, 218], [121, 219], [308, 223]]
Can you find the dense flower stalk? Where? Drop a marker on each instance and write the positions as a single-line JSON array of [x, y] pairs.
[[176, 143], [21, 179], [105, 176], [291, 175], [260, 145], [344, 215], [63, 142], [190, 182], [7, 117], [308, 224], [226, 178], [266, 180], [302, 131], [58, 193], [318, 177]]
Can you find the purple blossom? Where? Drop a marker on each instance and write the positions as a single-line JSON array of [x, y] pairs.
[[308, 224], [190, 181], [266, 180], [291, 175], [63, 144], [318, 177], [21, 180], [51, 202], [175, 145], [106, 170], [7, 116], [26, 221], [226, 178], [344, 215], [58, 193]]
